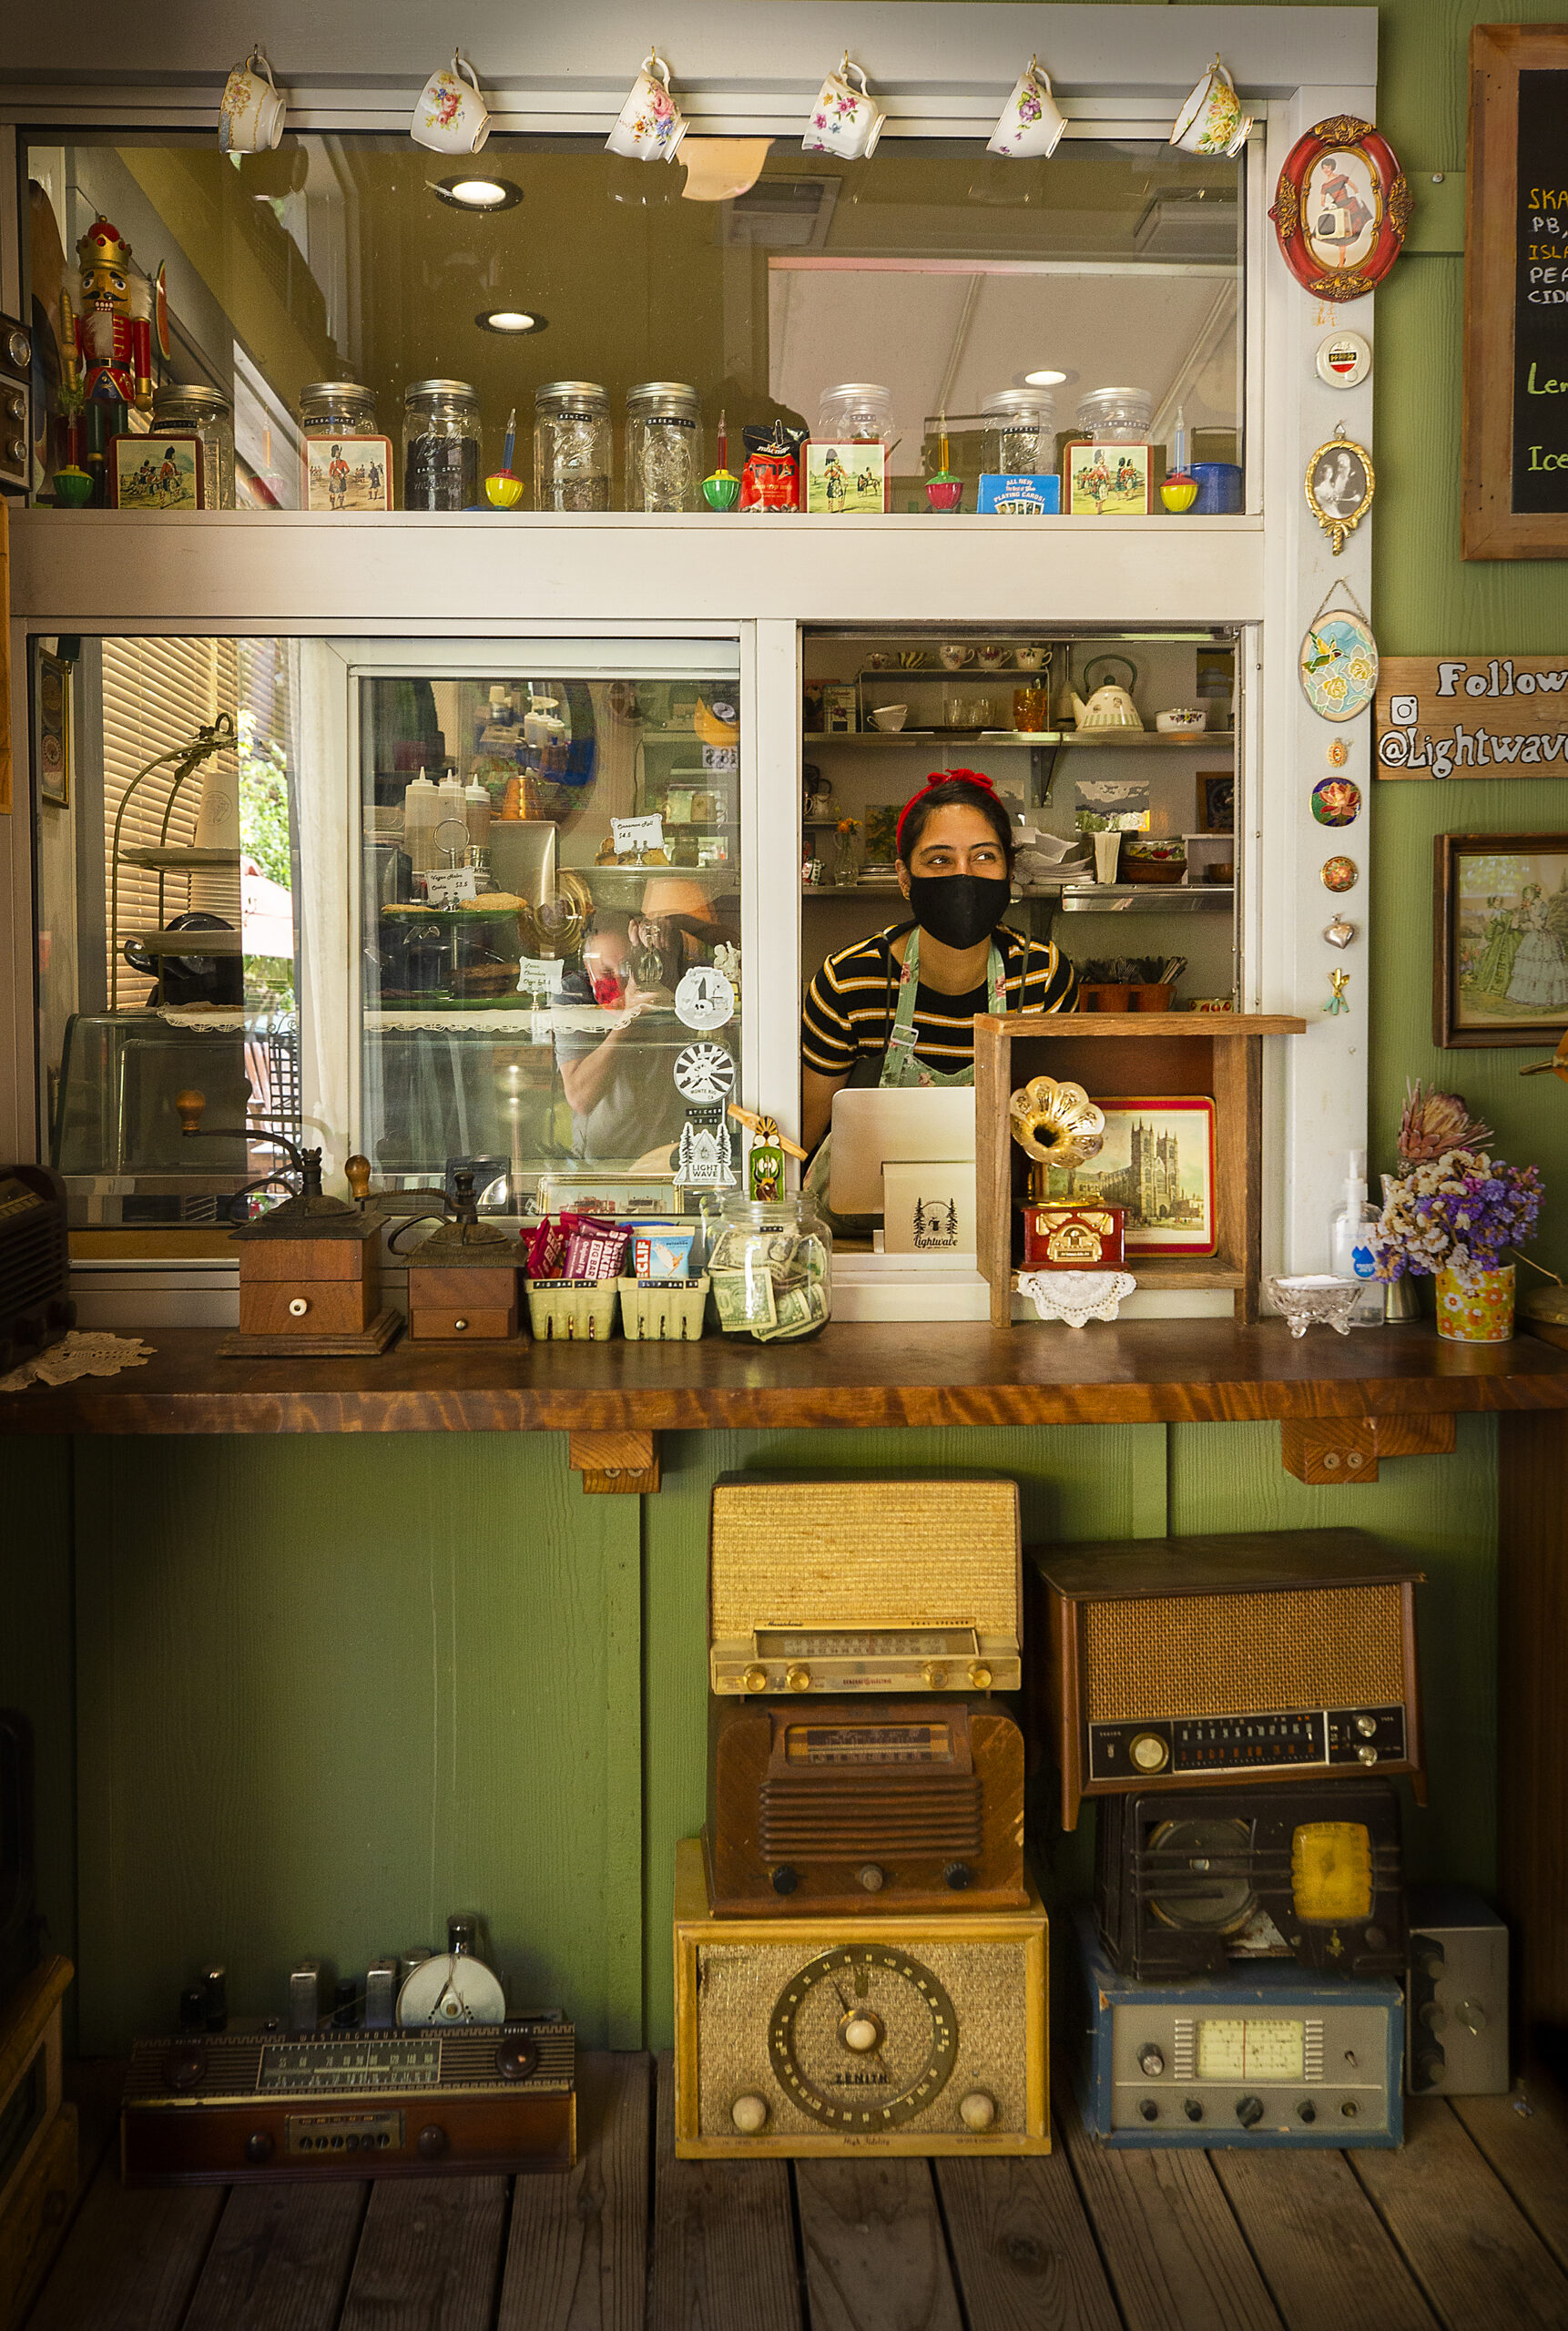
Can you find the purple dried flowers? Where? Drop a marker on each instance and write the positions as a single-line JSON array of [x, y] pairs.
[[1461, 1212]]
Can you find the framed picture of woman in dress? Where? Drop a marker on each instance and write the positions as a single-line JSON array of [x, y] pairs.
[[1499, 969]]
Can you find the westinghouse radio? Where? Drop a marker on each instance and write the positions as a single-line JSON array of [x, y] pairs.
[[835, 1804], [235, 2108], [1175, 1663], [906, 2032], [1186, 1882], [833, 1586], [1268, 2055]]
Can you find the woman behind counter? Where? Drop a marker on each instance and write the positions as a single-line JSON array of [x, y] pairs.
[[899, 1008]]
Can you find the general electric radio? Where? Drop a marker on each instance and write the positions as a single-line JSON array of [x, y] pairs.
[[1186, 1882], [840, 1586], [844, 1805], [887, 2032], [235, 2108], [1178, 1663], [1265, 2056]]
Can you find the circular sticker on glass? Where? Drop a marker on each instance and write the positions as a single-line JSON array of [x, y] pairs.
[[1340, 874], [704, 1074], [1335, 801], [1338, 753], [704, 998], [1344, 359], [1338, 665]]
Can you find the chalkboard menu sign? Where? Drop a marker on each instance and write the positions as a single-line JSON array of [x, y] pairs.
[[1515, 502]]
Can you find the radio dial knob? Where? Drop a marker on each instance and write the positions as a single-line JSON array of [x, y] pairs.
[[861, 2033], [980, 1677], [183, 2067], [1307, 2111], [258, 2148], [1192, 2108], [784, 1880], [1366, 1753], [871, 1878], [431, 2144], [1149, 2108], [1250, 2110], [750, 2115], [1148, 1752], [978, 2112], [1151, 2062], [799, 1678], [933, 1675], [755, 1679], [1366, 1726], [1472, 2016], [515, 2059], [957, 1875], [458, 1326]]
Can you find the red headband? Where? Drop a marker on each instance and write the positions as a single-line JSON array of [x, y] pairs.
[[941, 776]]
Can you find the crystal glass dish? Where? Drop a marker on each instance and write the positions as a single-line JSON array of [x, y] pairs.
[[1314, 1300]]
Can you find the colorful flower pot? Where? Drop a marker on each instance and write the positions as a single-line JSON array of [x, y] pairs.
[[1478, 1308]]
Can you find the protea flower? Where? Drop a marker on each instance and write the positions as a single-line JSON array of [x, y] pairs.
[[1435, 1122]]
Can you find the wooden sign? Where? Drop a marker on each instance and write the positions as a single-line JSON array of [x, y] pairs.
[[1471, 715], [1515, 500]]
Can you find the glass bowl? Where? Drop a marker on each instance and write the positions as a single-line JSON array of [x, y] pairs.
[[1315, 1299]]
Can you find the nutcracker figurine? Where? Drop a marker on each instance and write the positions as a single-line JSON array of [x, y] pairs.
[[113, 338]]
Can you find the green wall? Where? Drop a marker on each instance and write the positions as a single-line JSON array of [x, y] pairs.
[[324, 1690]]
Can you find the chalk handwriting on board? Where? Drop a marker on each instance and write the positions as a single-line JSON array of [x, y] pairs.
[[1541, 298]]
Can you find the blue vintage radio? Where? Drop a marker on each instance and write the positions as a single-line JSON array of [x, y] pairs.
[[1268, 2054]]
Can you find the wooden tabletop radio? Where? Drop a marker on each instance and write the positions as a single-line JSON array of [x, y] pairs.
[[840, 1586], [1182, 1663], [846, 1805]]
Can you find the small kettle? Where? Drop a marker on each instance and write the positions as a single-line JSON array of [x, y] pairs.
[[1109, 706]]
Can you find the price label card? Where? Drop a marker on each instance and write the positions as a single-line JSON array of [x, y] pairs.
[[534, 972], [637, 833], [448, 886]]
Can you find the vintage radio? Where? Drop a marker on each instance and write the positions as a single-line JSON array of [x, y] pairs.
[[1267, 2055], [34, 1309], [884, 2032], [1061, 1238], [1186, 1882], [846, 1804], [238, 2108], [1458, 1995], [1176, 1662], [846, 1585]]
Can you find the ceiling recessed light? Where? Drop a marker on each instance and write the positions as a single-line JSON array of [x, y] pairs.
[[511, 320], [467, 192], [1043, 380]]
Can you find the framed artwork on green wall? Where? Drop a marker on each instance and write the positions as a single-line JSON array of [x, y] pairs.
[[1499, 927]]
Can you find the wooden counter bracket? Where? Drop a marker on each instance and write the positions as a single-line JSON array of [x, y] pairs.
[[615, 1464], [1337, 1451]]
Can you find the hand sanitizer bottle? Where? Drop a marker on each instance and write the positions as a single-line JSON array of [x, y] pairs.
[[1353, 1243]]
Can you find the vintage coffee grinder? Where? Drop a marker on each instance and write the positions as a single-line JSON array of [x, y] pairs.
[[463, 1279], [310, 1270]]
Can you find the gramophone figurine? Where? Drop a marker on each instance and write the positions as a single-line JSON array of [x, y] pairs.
[[310, 1270], [463, 1279], [1057, 1126]]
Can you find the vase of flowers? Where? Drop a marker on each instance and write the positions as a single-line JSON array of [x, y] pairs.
[[849, 853], [1452, 1218]]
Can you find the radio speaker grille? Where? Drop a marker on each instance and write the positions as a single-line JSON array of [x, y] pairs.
[[862, 1554], [1223, 1655]]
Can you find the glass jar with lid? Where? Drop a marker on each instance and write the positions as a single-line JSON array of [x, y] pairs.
[[664, 446], [857, 411], [208, 412], [771, 1269], [1016, 435], [1116, 416], [440, 445], [337, 408], [571, 446]]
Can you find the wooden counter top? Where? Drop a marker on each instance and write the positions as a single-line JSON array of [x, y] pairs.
[[967, 1373]]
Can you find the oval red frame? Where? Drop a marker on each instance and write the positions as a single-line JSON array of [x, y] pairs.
[[1341, 129]]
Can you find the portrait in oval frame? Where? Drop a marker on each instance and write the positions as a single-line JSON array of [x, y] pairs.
[[1340, 208], [1339, 485]]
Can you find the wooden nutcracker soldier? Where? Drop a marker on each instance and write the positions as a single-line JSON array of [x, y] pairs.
[[107, 350]]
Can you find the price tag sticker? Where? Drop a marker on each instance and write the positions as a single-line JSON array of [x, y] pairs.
[[637, 833], [542, 976], [448, 886]]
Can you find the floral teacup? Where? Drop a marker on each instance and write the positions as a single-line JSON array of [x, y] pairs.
[[451, 117], [1212, 121], [845, 120], [1031, 122], [651, 125]]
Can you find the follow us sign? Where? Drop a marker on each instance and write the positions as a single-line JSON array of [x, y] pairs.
[[1452, 716]]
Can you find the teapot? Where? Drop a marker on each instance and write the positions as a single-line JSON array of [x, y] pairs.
[[1109, 706]]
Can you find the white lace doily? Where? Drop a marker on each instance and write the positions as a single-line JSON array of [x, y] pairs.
[[1076, 1297], [83, 1352]]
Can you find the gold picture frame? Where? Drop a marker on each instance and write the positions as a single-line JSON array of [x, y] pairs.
[[1339, 485]]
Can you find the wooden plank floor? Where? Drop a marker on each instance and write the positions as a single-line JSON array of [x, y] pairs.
[[1465, 2229]]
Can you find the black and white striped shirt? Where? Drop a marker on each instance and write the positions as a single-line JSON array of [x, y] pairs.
[[850, 1004]]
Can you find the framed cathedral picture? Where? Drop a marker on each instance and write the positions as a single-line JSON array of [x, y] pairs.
[[1499, 930], [1157, 1160]]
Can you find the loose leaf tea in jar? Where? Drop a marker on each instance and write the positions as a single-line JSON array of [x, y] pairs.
[[441, 445]]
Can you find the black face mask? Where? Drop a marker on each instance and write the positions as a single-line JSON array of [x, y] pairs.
[[960, 910]]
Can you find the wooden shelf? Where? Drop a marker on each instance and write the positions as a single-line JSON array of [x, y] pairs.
[[1148, 1371]]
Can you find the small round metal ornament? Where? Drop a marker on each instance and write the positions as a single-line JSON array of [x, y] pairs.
[[1338, 753], [1340, 874]]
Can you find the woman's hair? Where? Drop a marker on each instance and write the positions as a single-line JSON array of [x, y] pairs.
[[961, 788]]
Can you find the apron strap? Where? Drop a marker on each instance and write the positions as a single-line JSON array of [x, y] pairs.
[[900, 1057]]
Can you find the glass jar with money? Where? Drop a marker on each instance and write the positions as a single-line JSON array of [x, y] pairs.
[[771, 1267]]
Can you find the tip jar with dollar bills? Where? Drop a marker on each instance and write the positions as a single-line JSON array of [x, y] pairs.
[[771, 1269]]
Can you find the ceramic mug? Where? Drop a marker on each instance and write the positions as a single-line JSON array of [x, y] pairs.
[[1031, 122], [451, 117], [845, 120], [890, 715], [957, 655], [651, 125], [1212, 121], [251, 117], [1029, 659]]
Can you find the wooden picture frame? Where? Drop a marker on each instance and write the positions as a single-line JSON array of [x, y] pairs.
[[162, 473], [1500, 940], [1503, 378], [1217, 801], [1340, 208]]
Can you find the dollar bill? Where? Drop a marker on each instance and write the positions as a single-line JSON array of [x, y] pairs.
[[745, 1300]]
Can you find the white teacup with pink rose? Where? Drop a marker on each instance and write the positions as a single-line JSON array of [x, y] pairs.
[[451, 117], [651, 125]]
